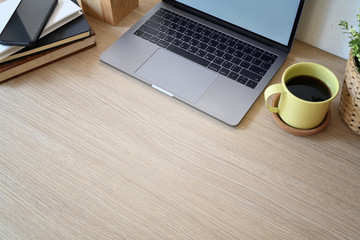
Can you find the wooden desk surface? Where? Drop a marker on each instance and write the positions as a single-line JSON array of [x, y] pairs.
[[87, 152]]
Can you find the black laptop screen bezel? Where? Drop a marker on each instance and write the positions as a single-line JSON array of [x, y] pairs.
[[257, 37]]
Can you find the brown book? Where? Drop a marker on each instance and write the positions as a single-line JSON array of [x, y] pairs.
[[78, 28], [28, 63]]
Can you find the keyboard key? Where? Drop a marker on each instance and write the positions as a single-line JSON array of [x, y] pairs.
[[177, 42], [178, 35], [236, 60], [248, 50], [239, 54], [162, 28], [230, 50], [183, 22], [160, 12], [206, 32], [161, 35], [262, 51], [146, 36], [231, 43], [139, 32], [245, 64], [256, 54], [227, 57], [257, 62], [194, 42], [205, 39], [169, 39], [236, 69], [202, 45], [156, 18], [223, 39], [209, 57], [214, 35], [242, 79], [198, 29], [248, 58], [184, 46], [173, 26], [227, 65], [170, 32], [265, 65], [190, 26], [272, 55], [222, 46], [163, 44], [239, 46], [251, 84], [215, 67], [210, 49], [165, 23], [154, 40], [168, 16], [197, 36], [193, 49], [250, 75], [188, 55], [219, 53], [152, 24], [181, 29], [149, 29], [224, 71], [233, 75], [201, 53], [218, 60], [186, 38], [257, 70], [213, 43], [175, 19], [268, 59], [188, 32]]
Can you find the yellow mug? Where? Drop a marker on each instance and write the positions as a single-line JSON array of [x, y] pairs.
[[294, 111]]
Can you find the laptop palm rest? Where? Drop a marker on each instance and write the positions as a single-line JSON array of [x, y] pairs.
[[176, 75]]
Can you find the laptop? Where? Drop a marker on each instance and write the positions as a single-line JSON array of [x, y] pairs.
[[214, 55]]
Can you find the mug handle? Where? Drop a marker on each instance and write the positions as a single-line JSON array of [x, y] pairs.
[[271, 90]]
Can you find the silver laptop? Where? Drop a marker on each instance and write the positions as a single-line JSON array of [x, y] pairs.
[[215, 55]]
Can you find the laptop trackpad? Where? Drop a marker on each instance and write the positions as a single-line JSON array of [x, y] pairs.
[[177, 75]]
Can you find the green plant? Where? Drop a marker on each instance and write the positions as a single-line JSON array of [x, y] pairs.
[[354, 36]]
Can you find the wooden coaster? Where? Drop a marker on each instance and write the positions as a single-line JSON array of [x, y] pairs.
[[296, 131]]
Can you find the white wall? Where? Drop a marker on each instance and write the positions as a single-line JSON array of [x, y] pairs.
[[319, 24]]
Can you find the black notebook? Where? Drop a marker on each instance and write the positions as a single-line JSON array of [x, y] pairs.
[[77, 29]]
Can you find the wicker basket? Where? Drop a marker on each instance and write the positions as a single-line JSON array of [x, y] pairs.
[[350, 97]]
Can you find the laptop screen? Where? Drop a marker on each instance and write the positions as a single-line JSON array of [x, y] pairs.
[[271, 19]]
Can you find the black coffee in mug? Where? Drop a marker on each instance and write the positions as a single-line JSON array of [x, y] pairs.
[[308, 88]]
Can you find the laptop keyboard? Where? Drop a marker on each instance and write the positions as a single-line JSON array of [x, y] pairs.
[[231, 57]]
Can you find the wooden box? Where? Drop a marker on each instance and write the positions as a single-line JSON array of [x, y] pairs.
[[110, 11]]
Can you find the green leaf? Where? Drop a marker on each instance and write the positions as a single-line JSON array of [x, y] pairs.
[[354, 36]]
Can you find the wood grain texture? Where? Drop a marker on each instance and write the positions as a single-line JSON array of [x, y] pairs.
[[110, 11], [88, 152]]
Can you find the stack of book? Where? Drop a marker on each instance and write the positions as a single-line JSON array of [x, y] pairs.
[[67, 32]]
